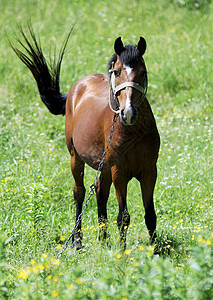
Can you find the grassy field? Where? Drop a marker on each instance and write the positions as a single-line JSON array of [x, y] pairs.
[[37, 207]]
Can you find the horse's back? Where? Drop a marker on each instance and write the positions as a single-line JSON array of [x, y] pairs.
[[88, 91]]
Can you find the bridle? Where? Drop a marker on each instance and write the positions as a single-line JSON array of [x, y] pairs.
[[115, 89]]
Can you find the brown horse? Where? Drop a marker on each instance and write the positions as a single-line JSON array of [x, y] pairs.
[[89, 107]]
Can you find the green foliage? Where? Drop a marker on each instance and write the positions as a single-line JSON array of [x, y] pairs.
[[37, 206]]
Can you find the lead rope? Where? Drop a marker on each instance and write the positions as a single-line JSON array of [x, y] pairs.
[[92, 188]]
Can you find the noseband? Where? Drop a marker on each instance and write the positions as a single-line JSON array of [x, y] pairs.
[[115, 89]]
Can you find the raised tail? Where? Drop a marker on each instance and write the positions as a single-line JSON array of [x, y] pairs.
[[46, 74]]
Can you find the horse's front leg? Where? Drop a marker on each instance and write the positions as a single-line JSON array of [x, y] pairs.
[[147, 181], [102, 194], [123, 219]]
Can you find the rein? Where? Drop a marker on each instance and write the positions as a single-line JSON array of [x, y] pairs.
[[115, 89]]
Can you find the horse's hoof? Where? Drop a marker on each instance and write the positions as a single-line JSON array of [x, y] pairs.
[[77, 244]]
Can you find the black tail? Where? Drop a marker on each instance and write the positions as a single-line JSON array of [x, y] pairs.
[[46, 74]]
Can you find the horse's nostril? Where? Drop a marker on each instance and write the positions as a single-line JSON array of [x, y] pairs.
[[122, 112]]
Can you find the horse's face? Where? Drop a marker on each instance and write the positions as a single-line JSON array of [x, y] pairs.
[[129, 72]]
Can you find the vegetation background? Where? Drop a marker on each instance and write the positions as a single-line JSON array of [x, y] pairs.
[[37, 206]]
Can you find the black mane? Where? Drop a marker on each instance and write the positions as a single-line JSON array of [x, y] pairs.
[[130, 57]]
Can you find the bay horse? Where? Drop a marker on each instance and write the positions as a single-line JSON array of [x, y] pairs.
[[89, 108]]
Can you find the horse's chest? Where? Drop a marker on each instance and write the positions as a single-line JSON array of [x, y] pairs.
[[134, 152]]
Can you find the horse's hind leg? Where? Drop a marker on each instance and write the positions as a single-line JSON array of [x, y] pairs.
[[77, 168], [147, 182], [102, 194]]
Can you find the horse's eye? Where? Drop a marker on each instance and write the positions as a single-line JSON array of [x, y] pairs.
[[116, 73]]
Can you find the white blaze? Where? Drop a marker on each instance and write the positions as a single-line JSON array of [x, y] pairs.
[[128, 69], [128, 111]]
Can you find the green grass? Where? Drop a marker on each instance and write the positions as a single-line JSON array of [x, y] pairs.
[[37, 207]]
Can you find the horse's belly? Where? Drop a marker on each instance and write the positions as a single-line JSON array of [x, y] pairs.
[[88, 137]]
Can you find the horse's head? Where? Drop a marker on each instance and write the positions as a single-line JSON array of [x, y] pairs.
[[128, 79]]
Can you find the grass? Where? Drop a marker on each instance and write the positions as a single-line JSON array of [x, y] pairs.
[[37, 206]]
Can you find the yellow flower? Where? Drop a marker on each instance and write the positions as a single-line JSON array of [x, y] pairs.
[[79, 281], [118, 256], [208, 242], [177, 211], [70, 286], [56, 262], [174, 227], [59, 246], [101, 225], [127, 251], [201, 240], [141, 248], [180, 221], [55, 293], [22, 275], [124, 298], [33, 261], [49, 276], [55, 278], [44, 255]]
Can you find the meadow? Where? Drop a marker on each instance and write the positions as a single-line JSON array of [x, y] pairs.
[[37, 210]]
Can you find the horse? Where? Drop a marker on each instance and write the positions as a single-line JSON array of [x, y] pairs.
[[89, 108]]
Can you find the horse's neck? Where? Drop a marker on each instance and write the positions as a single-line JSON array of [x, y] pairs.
[[146, 120]]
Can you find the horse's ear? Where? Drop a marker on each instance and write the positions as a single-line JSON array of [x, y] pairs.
[[118, 46], [141, 47]]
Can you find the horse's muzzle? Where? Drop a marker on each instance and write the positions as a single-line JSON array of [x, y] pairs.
[[128, 116]]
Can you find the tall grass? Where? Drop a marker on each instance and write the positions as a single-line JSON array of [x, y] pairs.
[[37, 206]]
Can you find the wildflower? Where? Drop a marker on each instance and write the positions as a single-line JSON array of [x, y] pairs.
[[44, 255], [23, 274], [201, 240], [40, 266], [125, 227], [141, 248], [55, 278], [56, 262], [150, 253], [177, 211], [118, 255], [33, 261], [127, 251], [79, 281], [174, 227], [49, 277], [70, 286], [46, 265], [101, 225], [55, 293], [181, 221], [208, 242], [59, 246]]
